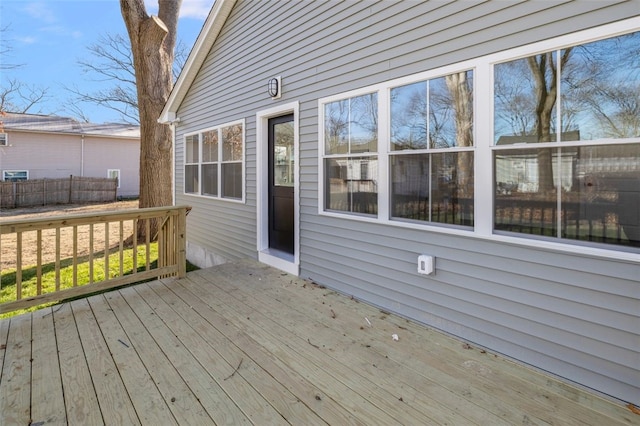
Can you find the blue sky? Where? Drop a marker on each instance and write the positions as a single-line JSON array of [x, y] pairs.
[[48, 37]]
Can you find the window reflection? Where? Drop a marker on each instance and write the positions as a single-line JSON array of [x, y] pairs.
[[596, 97], [210, 146], [284, 155], [232, 143], [596, 193], [212, 168], [351, 184], [438, 110], [588, 92], [426, 115], [428, 187], [351, 125]]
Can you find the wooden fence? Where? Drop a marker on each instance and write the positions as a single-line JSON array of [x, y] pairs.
[[99, 241], [71, 190]]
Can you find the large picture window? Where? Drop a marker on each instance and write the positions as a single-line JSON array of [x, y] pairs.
[[582, 104], [213, 164]]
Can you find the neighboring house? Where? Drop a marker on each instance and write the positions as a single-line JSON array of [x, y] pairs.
[[44, 146], [340, 141]]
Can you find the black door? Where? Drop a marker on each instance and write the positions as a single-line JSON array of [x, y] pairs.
[[281, 183]]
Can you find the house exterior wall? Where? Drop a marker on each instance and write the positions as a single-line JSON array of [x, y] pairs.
[[33, 152], [102, 154], [52, 156], [570, 313]]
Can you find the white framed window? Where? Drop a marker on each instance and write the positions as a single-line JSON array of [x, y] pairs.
[[214, 162], [538, 145], [566, 152], [114, 174], [4, 139], [15, 175], [432, 143], [402, 151], [350, 154]]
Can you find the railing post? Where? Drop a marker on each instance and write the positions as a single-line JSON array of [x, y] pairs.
[[181, 242]]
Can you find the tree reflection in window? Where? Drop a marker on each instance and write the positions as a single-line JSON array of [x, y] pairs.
[[568, 98], [429, 115], [351, 127]]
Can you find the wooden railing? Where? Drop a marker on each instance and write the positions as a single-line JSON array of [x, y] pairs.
[[104, 241]]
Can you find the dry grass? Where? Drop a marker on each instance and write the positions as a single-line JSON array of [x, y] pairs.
[[8, 242]]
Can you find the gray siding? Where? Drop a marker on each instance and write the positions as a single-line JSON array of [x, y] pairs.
[[573, 315]]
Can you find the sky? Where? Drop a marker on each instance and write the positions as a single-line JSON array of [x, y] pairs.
[[48, 38]]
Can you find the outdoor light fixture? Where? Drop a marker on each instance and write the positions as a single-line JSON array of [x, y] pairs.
[[275, 87]]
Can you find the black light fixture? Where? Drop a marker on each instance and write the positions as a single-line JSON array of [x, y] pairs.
[[274, 87]]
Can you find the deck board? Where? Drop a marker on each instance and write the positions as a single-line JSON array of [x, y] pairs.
[[243, 343], [80, 396], [149, 405], [15, 392], [47, 399], [110, 390]]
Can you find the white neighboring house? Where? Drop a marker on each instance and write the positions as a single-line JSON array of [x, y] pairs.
[[45, 146]]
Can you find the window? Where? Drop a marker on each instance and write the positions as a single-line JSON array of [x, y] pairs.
[[213, 164], [424, 137], [431, 175], [4, 139], [114, 174], [551, 159], [15, 175], [351, 163], [566, 133]]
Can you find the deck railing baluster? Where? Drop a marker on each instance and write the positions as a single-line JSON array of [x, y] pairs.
[[39, 262], [75, 256]]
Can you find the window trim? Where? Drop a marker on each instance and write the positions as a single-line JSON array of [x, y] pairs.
[[4, 139], [219, 163], [483, 86]]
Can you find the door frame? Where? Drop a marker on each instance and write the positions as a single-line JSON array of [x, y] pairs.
[[277, 260]]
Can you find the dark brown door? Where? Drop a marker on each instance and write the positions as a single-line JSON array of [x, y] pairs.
[[281, 183]]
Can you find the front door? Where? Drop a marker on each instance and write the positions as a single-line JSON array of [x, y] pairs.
[[281, 183]]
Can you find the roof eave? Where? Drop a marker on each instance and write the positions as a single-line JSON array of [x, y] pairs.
[[207, 37]]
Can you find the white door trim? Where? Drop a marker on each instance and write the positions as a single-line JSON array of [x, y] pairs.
[[277, 260]]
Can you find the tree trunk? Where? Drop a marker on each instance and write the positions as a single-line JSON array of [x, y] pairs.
[[543, 67], [462, 97], [153, 40]]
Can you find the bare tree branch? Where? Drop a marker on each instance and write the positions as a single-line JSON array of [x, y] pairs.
[[5, 50], [112, 61], [16, 96]]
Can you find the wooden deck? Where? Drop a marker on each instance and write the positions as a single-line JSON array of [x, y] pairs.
[[246, 344]]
